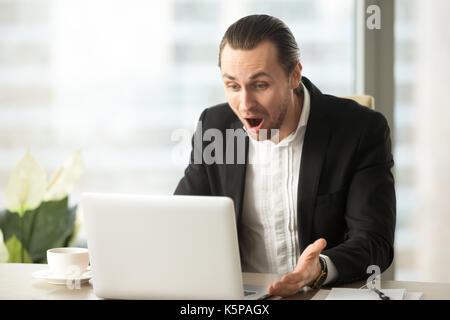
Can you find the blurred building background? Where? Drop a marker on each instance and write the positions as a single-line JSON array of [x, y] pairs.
[[118, 78]]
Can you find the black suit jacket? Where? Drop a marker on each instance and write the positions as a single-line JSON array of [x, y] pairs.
[[346, 189]]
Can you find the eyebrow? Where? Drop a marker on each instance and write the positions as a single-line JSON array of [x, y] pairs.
[[253, 76]]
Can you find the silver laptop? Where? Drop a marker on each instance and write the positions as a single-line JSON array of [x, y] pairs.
[[164, 247]]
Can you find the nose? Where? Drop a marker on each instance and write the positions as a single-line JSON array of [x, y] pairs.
[[247, 103]]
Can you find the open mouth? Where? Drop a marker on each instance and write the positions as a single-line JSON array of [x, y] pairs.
[[254, 123]]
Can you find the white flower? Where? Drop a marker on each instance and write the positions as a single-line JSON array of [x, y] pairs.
[[26, 185], [64, 179]]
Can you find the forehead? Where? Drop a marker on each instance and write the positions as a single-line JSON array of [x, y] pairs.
[[239, 63]]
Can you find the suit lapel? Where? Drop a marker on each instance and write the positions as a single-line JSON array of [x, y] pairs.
[[313, 155]]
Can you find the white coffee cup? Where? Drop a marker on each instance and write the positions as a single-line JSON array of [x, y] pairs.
[[68, 261]]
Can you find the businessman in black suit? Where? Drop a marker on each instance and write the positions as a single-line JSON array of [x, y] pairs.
[[320, 208]]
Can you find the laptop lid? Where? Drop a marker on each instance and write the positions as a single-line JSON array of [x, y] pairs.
[[162, 247]]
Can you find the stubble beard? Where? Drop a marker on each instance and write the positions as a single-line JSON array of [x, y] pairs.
[[273, 133]]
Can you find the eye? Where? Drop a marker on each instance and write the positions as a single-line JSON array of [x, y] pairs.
[[261, 85], [233, 86]]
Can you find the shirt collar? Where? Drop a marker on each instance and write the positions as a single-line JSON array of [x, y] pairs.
[[303, 117]]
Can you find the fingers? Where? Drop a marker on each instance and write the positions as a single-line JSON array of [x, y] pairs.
[[314, 248], [318, 246], [310, 254], [284, 289], [289, 285], [293, 277], [304, 273]]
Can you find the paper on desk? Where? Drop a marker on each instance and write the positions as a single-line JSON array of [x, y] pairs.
[[364, 294], [412, 295]]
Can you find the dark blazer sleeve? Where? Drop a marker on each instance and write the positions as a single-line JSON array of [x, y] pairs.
[[195, 180], [370, 213]]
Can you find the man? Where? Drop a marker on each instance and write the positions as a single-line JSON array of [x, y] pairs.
[[318, 204]]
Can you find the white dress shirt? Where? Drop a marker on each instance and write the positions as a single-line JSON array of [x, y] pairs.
[[269, 235]]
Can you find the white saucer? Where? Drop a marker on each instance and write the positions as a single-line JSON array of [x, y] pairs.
[[60, 279]]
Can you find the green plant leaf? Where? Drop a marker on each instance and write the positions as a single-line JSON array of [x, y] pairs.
[[52, 227], [2, 218], [64, 179], [9, 223], [4, 254], [14, 247], [77, 226], [26, 186], [14, 225]]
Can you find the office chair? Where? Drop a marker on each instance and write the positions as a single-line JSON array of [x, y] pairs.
[[364, 100], [369, 102]]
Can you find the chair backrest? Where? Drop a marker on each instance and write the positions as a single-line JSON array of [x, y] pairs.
[[364, 100]]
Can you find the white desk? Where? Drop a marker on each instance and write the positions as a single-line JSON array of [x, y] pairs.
[[17, 283]]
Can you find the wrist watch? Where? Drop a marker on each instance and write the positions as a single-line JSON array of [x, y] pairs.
[[317, 284]]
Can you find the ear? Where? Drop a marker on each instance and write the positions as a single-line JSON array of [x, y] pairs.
[[296, 76]]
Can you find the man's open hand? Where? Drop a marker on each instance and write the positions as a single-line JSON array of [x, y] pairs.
[[307, 270]]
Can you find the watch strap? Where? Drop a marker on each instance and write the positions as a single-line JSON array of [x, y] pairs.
[[317, 284]]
